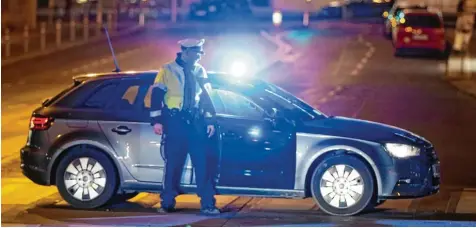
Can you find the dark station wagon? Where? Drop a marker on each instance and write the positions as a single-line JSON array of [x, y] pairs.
[[95, 143]]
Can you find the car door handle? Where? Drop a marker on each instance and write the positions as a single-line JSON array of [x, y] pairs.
[[122, 130], [230, 134]]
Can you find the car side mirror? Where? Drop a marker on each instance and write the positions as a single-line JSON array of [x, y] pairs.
[[273, 113]]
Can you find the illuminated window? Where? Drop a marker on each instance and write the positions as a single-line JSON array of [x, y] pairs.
[[230, 103]]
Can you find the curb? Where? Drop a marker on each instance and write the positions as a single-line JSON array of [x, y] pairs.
[[460, 76], [13, 60]]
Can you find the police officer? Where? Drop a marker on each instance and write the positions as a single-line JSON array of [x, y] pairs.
[[182, 112]]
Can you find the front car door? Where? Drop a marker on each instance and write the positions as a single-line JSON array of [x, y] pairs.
[[254, 152]]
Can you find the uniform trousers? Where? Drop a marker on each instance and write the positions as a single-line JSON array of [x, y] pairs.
[[185, 133]]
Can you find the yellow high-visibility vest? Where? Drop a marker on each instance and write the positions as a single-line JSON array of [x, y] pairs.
[[171, 78]]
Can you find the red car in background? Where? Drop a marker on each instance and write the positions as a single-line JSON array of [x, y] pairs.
[[420, 31]]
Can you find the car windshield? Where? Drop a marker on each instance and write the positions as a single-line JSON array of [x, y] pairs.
[[424, 21], [291, 103]]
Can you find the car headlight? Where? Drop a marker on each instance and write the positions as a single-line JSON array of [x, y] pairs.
[[402, 150]]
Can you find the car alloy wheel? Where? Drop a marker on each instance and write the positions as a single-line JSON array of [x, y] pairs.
[[341, 186], [85, 178]]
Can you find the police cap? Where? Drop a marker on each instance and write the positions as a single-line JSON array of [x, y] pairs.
[[192, 44]]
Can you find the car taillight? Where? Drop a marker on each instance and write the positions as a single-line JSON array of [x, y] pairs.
[[40, 123], [439, 31]]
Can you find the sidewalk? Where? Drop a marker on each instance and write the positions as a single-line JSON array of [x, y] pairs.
[[461, 69], [17, 47]]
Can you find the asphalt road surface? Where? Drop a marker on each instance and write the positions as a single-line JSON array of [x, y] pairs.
[[341, 69]]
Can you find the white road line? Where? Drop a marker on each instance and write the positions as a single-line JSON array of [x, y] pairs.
[[364, 60], [361, 38], [354, 72], [360, 66]]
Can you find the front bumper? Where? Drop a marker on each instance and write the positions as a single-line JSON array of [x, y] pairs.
[[414, 177], [34, 165]]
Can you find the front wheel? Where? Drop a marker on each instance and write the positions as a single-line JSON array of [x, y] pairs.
[[342, 185], [86, 178]]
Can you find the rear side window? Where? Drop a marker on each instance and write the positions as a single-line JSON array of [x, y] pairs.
[[101, 96], [424, 21], [59, 95]]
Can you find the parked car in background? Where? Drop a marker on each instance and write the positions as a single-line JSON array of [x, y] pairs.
[[420, 31]]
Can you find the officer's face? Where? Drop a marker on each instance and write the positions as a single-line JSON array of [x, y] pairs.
[[194, 55]]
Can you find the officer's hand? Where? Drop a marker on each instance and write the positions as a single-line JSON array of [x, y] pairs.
[[210, 130], [158, 129]]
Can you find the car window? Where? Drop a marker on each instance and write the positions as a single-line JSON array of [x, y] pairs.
[[425, 21], [147, 98], [129, 97], [101, 97], [231, 103]]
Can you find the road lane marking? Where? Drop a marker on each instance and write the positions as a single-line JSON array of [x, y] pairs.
[[360, 66], [467, 202]]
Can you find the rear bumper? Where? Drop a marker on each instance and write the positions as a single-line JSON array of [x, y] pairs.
[[34, 165], [430, 46]]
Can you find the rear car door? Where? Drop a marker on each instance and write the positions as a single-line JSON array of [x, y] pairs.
[[254, 153], [131, 134], [151, 162], [121, 123]]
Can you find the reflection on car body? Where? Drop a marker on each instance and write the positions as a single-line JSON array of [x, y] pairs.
[[95, 143]]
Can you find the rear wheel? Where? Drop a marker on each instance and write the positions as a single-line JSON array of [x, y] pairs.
[[86, 178], [343, 185]]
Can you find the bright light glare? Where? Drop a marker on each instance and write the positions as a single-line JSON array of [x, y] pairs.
[[238, 68], [277, 18], [256, 132], [402, 150]]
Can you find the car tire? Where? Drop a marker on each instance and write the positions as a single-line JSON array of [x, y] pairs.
[[397, 53], [345, 167], [99, 178]]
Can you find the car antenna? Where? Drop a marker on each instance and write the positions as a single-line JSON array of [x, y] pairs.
[[112, 50]]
